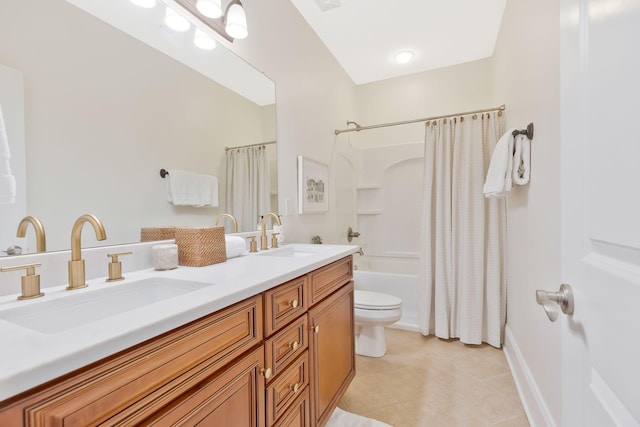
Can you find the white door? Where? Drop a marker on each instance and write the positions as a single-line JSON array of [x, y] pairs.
[[601, 211]]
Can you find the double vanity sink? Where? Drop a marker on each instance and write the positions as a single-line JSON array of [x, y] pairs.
[[65, 330]]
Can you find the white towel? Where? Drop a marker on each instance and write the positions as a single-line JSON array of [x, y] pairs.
[[522, 160], [498, 181], [182, 188], [236, 246], [7, 180], [208, 190]]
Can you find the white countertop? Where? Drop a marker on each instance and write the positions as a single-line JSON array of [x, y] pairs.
[[29, 358]]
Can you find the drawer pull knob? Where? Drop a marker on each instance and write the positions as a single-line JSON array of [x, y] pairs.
[[295, 387], [293, 303], [315, 329], [294, 345], [266, 372]]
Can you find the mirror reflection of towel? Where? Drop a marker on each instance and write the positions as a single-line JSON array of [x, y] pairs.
[[7, 180], [186, 188]]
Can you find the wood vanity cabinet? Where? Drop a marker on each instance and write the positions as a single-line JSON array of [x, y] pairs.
[[281, 358]]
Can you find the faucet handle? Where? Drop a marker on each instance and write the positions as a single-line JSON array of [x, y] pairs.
[[30, 282], [253, 245], [115, 267], [274, 240]]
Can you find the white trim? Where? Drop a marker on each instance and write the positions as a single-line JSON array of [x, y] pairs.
[[537, 411]]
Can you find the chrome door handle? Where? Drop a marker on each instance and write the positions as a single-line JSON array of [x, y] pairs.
[[551, 301]]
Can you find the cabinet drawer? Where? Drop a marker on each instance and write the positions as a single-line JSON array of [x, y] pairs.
[[234, 398], [146, 377], [298, 414], [284, 304], [286, 388], [282, 348], [327, 279]]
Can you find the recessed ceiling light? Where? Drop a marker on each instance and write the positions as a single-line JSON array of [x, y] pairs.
[[175, 21], [404, 56], [147, 4]]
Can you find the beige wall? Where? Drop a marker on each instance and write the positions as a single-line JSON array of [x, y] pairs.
[[104, 113], [313, 96], [447, 90], [527, 79]]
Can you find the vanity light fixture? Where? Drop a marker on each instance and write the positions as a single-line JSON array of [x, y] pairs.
[[203, 40], [236, 20], [209, 8], [175, 21], [147, 4], [404, 56]]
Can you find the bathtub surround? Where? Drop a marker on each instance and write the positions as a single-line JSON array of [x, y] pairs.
[[463, 289]]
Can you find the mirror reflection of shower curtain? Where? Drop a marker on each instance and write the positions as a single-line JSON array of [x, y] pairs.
[[463, 270], [248, 185]]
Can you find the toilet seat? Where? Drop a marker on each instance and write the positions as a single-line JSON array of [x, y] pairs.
[[368, 300]]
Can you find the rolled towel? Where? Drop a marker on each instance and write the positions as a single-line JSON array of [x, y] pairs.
[[236, 246], [522, 160]]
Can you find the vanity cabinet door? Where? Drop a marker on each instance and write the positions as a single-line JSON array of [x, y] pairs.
[[234, 398], [332, 352]]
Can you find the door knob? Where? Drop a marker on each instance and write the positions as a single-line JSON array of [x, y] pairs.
[[552, 301]]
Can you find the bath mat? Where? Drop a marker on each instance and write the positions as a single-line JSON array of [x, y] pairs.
[[341, 418]]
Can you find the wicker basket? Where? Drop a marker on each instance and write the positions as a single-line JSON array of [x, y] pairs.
[[198, 247], [149, 234]]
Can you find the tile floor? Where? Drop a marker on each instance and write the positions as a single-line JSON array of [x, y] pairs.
[[426, 381]]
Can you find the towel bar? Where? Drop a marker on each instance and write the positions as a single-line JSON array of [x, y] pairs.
[[528, 131]]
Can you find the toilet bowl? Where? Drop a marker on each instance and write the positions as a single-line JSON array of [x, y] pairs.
[[373, 311]]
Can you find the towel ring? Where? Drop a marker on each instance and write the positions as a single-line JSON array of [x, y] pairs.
[[163, 172], [528, 131]]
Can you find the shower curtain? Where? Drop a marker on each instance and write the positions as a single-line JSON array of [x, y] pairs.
[[248, 185], [463, 273]]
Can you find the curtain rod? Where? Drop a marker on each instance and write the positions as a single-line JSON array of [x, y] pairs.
[[250, 145], [358, 128]]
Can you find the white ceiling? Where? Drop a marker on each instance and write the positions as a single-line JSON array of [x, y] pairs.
[[363, 35]]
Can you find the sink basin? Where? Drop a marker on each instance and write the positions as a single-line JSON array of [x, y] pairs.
[[294, 251], [69, 311]]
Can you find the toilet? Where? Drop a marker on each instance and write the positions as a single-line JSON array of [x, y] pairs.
[[374, 311]]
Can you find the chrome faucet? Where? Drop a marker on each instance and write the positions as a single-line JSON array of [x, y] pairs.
[[233, 219], [76, 265], [41, 239], [263, 239]]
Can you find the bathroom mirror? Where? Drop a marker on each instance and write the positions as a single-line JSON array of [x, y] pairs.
[[109, 104]]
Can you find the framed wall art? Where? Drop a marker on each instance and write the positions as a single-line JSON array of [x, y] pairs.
[[313, 186]]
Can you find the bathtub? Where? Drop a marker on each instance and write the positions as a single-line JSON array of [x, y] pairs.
[[393, 276]]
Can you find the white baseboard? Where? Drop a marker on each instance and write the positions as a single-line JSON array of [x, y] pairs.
[[534, 406]]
